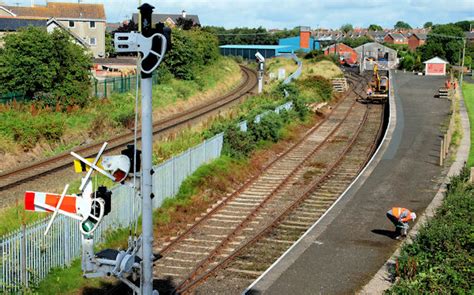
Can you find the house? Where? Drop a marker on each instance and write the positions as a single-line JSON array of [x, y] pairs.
[[85, 21], [470, 37], [10, 25], [416, 40], [376, 53], [377, 36], [395, 38], [435, 67], [345, 52], [170, 20]]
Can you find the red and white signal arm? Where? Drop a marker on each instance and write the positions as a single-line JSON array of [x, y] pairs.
[[84, 208]]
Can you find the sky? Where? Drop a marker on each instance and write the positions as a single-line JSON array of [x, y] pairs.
[[290, 13]]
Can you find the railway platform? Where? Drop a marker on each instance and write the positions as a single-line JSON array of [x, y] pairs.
[[350, 243]]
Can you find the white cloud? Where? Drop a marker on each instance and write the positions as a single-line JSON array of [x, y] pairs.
[[290, 13]]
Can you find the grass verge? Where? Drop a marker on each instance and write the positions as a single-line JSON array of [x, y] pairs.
[[468, 93], [439, 261], [29, 132]]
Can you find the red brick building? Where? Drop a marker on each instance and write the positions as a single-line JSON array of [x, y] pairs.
[[344, 51], [416, 40], [395, 38]]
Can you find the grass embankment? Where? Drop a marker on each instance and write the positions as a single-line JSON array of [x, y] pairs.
[[244, 153], [440, 259], [29, 132], [468, 93]]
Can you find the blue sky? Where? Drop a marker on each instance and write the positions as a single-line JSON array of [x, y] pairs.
[[291, 13]]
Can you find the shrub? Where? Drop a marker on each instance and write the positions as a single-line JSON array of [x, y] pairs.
[[45, 65], [267, 129], [315, 88]]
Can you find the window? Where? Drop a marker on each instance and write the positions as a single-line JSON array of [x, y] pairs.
[[71, 24], [92, 41], [92, 24]]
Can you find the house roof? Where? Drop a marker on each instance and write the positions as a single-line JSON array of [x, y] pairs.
[[436, 60], [397, 36], [162, 17], [74, 35], [9, 24], [60, 10], [419, 36], [373, 46]]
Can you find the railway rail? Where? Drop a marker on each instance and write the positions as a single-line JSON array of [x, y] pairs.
[[32, 171], [246, 214]]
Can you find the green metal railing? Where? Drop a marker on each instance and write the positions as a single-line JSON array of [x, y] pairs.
[[100, 88], [11, 96], [105, 88]]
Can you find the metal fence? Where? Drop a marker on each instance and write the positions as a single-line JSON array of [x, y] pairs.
[[9, 97], [27, 256], [106, 87], [298, 71]]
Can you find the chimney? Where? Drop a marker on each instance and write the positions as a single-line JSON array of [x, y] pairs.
[[183, 13]]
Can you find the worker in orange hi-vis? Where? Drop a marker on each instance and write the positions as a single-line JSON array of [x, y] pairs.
[[447, 84], [400, 217], [369, 91]]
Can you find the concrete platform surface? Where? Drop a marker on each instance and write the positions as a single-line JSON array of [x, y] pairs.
[[350, 244]]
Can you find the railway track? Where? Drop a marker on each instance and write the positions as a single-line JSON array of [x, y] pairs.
[[252, 258], [32, 171], [239, 218]]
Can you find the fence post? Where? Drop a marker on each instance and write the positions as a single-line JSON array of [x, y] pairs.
[[24, 279], [67, 237], [105, 88], [95, 87]]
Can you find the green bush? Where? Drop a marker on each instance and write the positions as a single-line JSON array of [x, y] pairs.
[[267, 129], [191, 50], [45, 65], [439, 261], [315, 88]]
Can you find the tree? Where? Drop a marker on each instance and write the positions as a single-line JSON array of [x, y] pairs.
[[374, 27], [109, 44], [347, 28], [444, 41], [186, 23], [465, 25], [428, 25], [402, 25], [37, 63]]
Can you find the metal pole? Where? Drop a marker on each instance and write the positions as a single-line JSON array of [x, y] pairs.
[[147, 149], [462, 64], [147, 224]]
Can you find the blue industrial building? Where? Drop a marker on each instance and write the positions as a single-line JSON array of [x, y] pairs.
[[304, 42], [293, 44], [248, 51]]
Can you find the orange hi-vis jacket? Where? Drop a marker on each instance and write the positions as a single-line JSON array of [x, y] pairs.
[[402, 214]]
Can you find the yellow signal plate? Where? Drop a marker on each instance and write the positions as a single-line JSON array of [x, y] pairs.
[[80, 167]]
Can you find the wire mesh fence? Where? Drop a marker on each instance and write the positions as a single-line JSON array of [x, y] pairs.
[[105, 87], [27, 256]]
